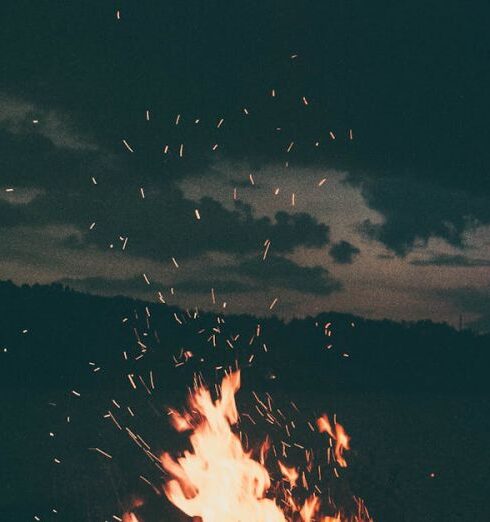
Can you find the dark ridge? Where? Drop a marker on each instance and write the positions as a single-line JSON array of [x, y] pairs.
[[49, 335]]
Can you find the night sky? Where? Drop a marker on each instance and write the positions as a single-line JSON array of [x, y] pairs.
[[178, 143]]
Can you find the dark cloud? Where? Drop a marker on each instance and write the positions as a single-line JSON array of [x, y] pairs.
[[407, 79], [31, 160], [252, 274], [413, 95], [343, 252], [280, 272], [163, 224], [482, 324], [413, 212], [106, 286], [80, 186], [204, 286], [469, 300], [451, 260], [472, 300], [19, 117]]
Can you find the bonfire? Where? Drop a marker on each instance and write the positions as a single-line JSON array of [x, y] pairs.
[[218, 480]]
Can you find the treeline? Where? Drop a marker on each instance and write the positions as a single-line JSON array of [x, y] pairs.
[[52, 337]]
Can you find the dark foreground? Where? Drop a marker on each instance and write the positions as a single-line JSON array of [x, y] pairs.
[[398, 441], [413, 396]]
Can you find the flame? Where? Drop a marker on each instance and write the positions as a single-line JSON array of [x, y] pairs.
[[291, 474], [339, 435], [218, 481]]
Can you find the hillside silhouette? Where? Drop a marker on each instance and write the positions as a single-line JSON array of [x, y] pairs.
[[50, 334]]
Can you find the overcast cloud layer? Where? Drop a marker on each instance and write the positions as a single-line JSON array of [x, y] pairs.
[[264, 152]]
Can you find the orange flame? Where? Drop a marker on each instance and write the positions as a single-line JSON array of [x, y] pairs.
[[338, 434], [218, 481]]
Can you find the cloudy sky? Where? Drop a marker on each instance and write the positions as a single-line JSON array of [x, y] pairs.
[[307, 155]]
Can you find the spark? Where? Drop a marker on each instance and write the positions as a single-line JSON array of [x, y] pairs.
[[126, 144], [102, 452]]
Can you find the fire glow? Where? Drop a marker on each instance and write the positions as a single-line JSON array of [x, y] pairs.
[[217, 480]]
